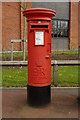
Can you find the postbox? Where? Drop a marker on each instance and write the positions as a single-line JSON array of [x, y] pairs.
[[39, 55]]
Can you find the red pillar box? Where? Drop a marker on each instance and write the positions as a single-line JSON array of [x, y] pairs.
[[39, 55]]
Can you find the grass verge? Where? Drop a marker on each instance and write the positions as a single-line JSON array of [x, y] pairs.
[[67, 76], [57, 52], [65, 52]]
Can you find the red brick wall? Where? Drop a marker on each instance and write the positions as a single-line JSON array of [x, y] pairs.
[[10, 25], [79, 23], [74, 25], [0, 26]]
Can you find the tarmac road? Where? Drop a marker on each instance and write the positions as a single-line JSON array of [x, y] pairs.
[[63, 104]]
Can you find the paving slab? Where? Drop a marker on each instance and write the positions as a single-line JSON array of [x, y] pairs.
[[63, 104]]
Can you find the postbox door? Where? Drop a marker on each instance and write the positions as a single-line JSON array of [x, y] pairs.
[[39, 60]]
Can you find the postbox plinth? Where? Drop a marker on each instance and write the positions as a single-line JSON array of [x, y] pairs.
[[39, 55], [38, 96]]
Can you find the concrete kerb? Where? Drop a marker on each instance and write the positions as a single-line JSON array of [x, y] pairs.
[[70, 90]]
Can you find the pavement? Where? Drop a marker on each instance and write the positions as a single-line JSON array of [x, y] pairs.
[[64, 104]]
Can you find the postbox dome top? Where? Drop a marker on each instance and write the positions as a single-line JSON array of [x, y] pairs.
[[39, 13]]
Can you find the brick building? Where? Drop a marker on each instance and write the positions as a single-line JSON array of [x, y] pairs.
[[64, 25], [12, 25]]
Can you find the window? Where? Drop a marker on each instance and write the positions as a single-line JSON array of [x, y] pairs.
[[60, 28]]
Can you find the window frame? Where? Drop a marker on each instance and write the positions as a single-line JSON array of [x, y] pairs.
[[61, 20]]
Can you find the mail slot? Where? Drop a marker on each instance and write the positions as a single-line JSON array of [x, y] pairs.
[[36, 25], [39, 26], [39, 55]]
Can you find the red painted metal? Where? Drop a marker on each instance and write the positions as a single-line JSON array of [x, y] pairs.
[[39, 56]]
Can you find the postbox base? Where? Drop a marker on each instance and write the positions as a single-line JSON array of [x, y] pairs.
[[38, 96]]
